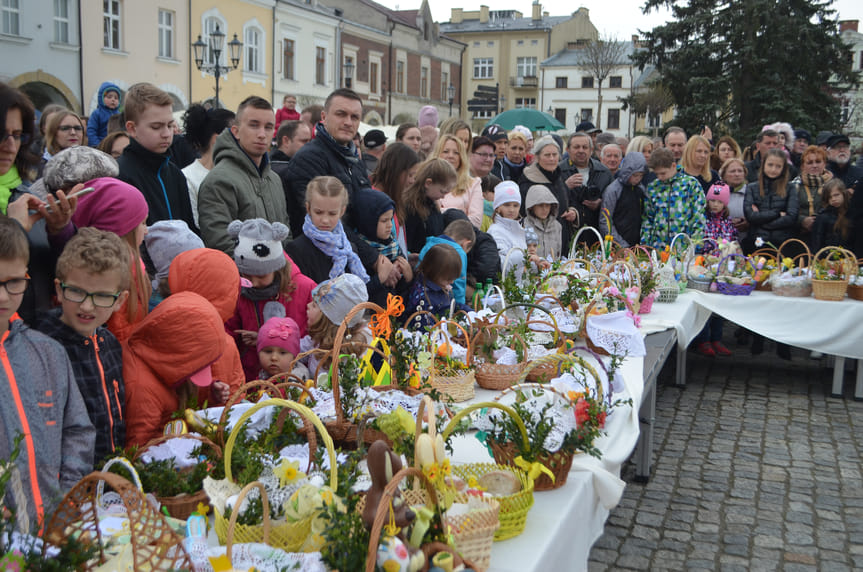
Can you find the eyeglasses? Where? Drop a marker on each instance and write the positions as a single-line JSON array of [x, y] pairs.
[[18, 137], [70, 128], [15, 286], [484, 155], [100, 299]]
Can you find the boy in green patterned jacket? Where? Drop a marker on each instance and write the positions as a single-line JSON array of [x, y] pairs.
[[674, 203]]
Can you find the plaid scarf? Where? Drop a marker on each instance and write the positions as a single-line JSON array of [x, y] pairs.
[[390, 248], [812, 185]]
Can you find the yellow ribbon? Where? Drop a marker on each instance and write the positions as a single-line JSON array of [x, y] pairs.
[[534, 469], [380, 324]]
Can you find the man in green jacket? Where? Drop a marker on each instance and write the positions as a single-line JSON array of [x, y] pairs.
[[241, 185]]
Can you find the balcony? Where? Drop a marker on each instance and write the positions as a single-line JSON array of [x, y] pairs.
[[527, 82]]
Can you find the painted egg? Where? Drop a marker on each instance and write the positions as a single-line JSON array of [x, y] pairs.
[[393, 555]]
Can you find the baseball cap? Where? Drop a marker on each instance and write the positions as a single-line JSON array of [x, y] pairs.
[[374, 138]]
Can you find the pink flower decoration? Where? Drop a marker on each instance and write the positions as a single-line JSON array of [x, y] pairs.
[[612, 291]]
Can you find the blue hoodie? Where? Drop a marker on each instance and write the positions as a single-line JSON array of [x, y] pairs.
[[460, 285], [97, 126]]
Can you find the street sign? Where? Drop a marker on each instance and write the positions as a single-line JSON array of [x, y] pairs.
[[487, 88]]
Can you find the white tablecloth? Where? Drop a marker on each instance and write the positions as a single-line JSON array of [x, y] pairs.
[[563, 524], [684, 315], [833, 328]]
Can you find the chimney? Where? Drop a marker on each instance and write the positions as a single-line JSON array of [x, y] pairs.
[[536, 13], [483, 14], [457, 16], [545, 14], [634, 39], [848, 25]]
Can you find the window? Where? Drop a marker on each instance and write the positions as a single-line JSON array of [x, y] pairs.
[[586, 114], [61, 21], [210, 26], [110, 24], [534, 42], [483, 114], [11, 17], [320, 65], [373, 77], [525, 67], [288, 61], [483, 68], [613, 119], [519, 43], [400, 77], [166, 34], [444, 85], [490, 44], [615, 81], [587, 82], [561, 82], [424, 82], [525, 102], [476, 44], [252, 48], [560, 114]]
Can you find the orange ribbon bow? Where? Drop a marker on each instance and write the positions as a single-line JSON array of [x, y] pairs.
[[380, 324]]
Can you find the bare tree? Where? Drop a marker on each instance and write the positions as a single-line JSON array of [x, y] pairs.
[[601, 57], [651, 101]]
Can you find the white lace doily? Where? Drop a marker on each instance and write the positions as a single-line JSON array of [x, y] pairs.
[[616, 333], [561, 415], [259, 421], [261, 557], [179, 449]]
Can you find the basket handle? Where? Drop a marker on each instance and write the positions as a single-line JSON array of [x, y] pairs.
[[574, 249], [532, 386], [560, 358], [229, 537], [337, 350], [235, 398], [588, 265], [302, 410], [792, 241], [100, 488], [383, 514], [165, 438], [723, 263], [446, 335], [453, 423], [505, 266]]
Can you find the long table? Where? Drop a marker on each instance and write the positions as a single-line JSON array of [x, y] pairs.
[[564, 523], [832, 328]]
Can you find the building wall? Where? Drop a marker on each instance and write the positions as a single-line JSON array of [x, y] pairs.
[[47, 69], [365, 49], [574, 98], [853, 104], [236, 16], [137, 56], [309, 29], [578, 27]]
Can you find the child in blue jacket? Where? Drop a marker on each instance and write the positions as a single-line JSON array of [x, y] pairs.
[[108, 104]]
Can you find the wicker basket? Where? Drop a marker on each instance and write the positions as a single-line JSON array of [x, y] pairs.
[[153, 544], [457, 385], [181, 506], [728, 288], [699, 284], [855, 291], [496, 376], [667, 295], [833, 290], [289, 536], [513, 508]]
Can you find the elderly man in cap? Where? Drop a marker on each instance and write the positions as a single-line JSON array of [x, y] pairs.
[[374, 145], [839, 162]]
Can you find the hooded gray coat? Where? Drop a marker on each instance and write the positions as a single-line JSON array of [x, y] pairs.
[[236, 189], [549, 231], [621, 202]]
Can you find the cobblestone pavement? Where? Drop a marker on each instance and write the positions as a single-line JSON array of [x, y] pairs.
[[755, 467]]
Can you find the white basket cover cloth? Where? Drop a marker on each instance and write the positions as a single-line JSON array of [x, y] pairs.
[[616, 329]]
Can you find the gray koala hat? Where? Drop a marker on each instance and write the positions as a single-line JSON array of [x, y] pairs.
[[72, 166], [259, 246]]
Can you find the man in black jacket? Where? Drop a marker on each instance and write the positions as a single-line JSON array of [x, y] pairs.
[[332, 152], [587, 177], [146, 163]]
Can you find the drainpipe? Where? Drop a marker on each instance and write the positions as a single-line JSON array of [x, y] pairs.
[[189, 53], [273, 62], [461, 107], [81, 62], [390, 81]]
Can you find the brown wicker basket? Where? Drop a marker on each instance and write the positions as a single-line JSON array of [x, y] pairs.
[[457, 385], [497, 376], [855, 290], [181, 506], [833, 290], [154, 544]]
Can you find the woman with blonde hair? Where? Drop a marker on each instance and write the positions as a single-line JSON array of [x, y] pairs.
[[726, 148], [64, 129], [466, 196], [696, 161], [641, 143]]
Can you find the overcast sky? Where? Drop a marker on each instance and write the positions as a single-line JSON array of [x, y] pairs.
[[619, 18]]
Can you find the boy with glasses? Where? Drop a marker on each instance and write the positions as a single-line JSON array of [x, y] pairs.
[[92, 282], [39, 400]]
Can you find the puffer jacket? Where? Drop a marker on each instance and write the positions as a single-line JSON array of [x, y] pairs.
[[533, 175], [97, 125], [182, 336], [249, 315], [549, 230], [824, 232], [236, 189], [213, 275], [670, 207], [97, 362], [39, 399], [621, 203], [160, 181], [323, 156], [509, 236], [767, 223]]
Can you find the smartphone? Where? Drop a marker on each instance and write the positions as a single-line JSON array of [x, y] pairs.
[[78, 193]]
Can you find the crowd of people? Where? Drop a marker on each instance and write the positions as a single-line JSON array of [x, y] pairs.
[[144, 267]]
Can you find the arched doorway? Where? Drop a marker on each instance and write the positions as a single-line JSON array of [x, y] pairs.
[[42, 94]]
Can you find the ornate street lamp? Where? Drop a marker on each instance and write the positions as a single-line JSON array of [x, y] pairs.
[[349, 71], [216, 46], [450, 91]]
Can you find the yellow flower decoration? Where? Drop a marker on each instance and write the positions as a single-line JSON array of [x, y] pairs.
[[406, 420], [473, 483], [424, 360], [787, 262], [432, 472], [288, 472], [202, 509], [574, 395], [445, 468]]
